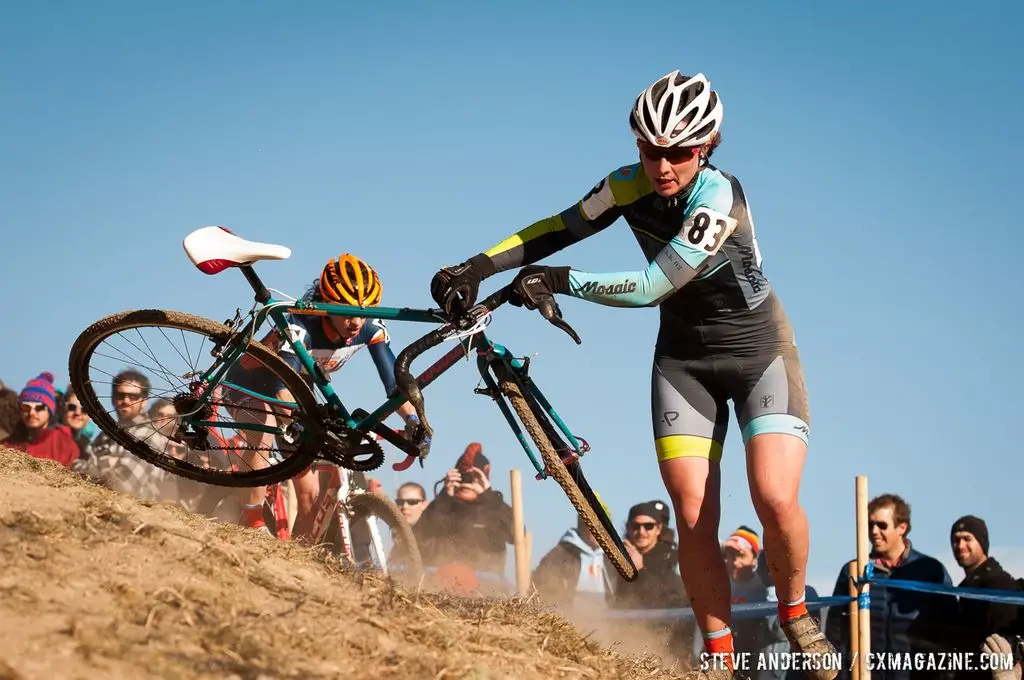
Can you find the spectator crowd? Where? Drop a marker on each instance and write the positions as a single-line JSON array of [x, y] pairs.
[[466, 521]]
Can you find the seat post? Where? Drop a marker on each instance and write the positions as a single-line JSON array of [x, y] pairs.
[[262, 294]]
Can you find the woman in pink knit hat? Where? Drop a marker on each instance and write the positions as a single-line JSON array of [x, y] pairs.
[[36, 433]]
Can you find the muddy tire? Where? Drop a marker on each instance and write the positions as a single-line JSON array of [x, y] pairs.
[[573, 483], [368, 505]]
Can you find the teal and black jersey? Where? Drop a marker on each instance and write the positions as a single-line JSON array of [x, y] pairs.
[[704, 267], [723, 335]]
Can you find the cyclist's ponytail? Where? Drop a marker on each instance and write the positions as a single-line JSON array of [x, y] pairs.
[[709, 148]]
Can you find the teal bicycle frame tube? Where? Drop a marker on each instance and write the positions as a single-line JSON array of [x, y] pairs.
[[274, 310], [487, 352]]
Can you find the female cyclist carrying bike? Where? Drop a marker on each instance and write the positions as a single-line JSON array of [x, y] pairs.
[[331, 342], [723, 336]]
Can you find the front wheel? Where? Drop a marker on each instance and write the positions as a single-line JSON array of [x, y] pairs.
[[369, 507], [572, 481]]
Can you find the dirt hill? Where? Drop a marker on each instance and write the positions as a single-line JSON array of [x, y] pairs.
[[98, 585]]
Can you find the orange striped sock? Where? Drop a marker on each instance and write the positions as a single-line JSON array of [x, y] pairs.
[[252, 516], [720, 642], [792, 610]]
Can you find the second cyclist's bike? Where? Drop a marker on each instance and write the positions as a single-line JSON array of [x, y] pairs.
[[200, 377]]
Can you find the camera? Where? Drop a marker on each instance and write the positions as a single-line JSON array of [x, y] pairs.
[[1017, 645]]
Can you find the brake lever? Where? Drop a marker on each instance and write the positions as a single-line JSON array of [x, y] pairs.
[[548, 308]]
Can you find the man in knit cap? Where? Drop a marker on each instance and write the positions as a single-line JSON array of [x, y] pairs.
[[977, 619], [740, 552], [35, 434], [657, 586]]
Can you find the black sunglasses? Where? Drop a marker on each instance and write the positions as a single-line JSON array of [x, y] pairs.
[[647, 526], [881, 525], [674, 155], [408, 501]]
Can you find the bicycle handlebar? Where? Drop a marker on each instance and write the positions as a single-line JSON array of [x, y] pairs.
[[547, 307], [407, 383]]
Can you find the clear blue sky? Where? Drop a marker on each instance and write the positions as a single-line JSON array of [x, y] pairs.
[[878, 145]]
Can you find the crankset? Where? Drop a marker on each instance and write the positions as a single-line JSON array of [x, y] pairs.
[[350, 448]]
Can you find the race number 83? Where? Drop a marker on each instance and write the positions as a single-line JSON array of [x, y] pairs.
[[708, 229]]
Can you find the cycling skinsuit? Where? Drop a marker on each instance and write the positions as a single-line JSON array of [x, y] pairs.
[[327, 348], [723, 333]]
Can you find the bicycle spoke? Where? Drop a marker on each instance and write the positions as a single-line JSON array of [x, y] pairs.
[[179, 424]]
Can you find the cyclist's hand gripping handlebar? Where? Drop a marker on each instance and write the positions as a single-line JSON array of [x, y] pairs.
[[410, 386]]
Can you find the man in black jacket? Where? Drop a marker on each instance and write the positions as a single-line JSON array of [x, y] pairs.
[[977, 619], [658, 585]]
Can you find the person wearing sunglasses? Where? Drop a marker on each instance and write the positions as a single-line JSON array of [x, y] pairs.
[[83, 430], [724, 335], [658, 585], [411, 499], [35, 433], [903, 621]]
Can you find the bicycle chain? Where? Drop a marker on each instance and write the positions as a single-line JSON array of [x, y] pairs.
[[349, 448]]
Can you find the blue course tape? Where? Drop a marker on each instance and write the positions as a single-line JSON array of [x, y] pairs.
[[742, 610], [1004, 596]]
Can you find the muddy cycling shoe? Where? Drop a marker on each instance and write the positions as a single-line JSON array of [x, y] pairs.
[[805, 637]]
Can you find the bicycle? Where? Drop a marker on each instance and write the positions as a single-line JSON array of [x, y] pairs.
[[307, 430], [345, 522]]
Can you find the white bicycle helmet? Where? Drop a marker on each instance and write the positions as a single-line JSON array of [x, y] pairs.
[[677, 110]]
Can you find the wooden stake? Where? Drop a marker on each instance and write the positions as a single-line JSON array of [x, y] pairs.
[[521, 558], [864, 613]]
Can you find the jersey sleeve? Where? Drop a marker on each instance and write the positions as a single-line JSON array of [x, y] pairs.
[[594, 212], [703, 232], [383, 357]]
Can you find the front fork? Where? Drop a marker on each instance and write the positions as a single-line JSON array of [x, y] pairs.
[[494, 353]]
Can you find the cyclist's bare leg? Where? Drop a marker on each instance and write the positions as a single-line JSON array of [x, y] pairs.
[[775, 464], [255, 456], [693, 485], [307, 492]]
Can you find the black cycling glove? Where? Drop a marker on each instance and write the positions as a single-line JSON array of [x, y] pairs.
[[534, 283], [455, 288]]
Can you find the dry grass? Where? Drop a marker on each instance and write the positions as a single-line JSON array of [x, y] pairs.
[[99, 585]]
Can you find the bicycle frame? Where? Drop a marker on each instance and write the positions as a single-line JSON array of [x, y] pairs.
[[334, 495], [488, 352]]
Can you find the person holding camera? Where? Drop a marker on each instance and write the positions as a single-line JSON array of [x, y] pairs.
[[468, 522]]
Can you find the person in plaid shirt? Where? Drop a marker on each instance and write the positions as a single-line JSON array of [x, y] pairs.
[[114, 466]]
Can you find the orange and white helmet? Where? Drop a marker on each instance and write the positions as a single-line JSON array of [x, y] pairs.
[[677, 110], [348, 280]]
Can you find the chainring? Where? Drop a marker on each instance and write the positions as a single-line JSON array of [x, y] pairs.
[[351, 449]]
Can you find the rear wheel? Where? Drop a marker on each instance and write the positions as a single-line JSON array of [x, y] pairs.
[[171, 351], [570, 477]]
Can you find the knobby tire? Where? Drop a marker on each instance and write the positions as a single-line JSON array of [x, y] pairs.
[[556, 469], [90, 338], [365, 506]]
